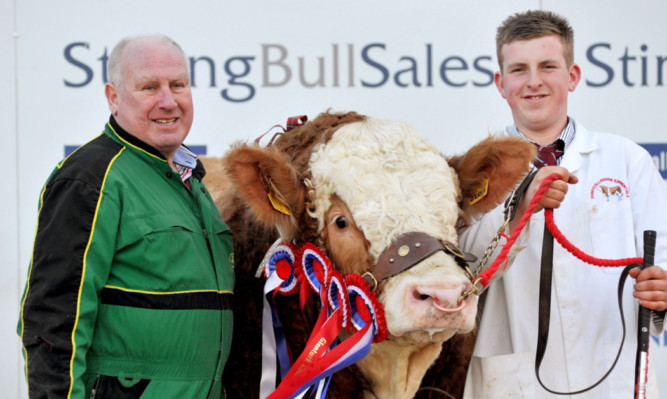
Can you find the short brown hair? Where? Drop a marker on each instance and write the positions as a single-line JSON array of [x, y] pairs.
[[534, 24]]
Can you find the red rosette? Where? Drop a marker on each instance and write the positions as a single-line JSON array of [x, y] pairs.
[[365, 307], [337, 297], [316, 267], [280, 259], [304, 285]]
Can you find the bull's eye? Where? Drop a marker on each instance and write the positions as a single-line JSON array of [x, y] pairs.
[[341, 222]]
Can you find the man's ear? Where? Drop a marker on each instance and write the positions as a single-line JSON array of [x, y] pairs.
[[500, 85], [264, 180], [575, 77], [489, 171], [112, 97]]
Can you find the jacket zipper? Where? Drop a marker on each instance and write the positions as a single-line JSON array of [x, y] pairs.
[[96, 386]]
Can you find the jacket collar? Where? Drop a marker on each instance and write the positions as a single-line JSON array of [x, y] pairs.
[[133, 140], [127, 137]]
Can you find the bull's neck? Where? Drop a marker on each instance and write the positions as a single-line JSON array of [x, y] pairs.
[[396, 370]]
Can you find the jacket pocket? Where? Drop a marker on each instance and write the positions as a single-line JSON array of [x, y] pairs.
[[611, 230], [145, 228], [107, 387]]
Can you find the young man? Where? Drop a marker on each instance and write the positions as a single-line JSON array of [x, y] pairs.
[[619, 194], [130, 284]]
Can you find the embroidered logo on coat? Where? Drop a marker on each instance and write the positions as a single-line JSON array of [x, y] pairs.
[[610, 190]]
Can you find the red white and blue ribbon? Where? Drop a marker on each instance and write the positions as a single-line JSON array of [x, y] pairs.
[[365, 307], [280, 278], [347, 302], [316, 268]]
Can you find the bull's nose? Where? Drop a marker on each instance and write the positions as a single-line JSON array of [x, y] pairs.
[[441, 298]]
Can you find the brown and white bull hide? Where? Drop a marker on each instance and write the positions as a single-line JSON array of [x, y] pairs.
[[352, 185]]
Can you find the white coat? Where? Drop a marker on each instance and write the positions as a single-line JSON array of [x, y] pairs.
[[585, 330]]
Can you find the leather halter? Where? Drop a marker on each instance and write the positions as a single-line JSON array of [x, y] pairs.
[[408, 250]]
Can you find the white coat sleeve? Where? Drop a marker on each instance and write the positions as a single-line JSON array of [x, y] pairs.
[[477, 237]]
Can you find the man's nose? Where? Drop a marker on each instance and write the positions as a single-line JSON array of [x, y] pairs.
[[167, 99], [534, 79]]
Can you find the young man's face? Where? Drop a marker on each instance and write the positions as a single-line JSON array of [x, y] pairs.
[[535, 81]]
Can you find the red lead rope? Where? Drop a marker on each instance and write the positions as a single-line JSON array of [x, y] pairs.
[[486, 275], [558, 235], [641, 365]]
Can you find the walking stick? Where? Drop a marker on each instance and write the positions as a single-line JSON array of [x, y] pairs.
[[641, 361]]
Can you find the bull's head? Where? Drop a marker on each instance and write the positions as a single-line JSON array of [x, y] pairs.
[[383, 202]]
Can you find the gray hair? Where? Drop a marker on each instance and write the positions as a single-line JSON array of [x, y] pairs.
[[116, 56]]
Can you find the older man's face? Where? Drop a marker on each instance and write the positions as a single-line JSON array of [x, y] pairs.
[[154, 102]]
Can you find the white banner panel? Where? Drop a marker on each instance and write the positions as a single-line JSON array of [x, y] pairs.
[[11, 278]]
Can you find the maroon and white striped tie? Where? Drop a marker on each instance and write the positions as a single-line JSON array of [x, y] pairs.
[[548, 155]]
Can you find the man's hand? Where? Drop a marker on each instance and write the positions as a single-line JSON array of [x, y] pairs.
[[651, 287], [552, 197], [556, 191]]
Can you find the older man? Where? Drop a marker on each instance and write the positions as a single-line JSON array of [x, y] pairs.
[[130, 284]]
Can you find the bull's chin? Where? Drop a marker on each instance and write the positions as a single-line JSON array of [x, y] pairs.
[[432, 331], [427, 336]]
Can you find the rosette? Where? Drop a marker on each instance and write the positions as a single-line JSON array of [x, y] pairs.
[[280, 260], [337, 297], [317, 269], [365, 307]]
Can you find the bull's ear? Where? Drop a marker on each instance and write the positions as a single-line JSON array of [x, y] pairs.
[[489, 171], [268, 185]]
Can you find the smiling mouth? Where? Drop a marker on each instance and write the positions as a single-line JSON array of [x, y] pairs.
[[536, 97], [165, 121]]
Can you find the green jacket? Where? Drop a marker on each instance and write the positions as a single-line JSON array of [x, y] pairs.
[[129, 292]]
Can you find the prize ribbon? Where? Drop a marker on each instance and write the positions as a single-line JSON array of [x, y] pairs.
[[280, 278], [347, 302]]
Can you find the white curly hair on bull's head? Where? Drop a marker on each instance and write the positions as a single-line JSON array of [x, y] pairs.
[[355, 186], [393, 182]]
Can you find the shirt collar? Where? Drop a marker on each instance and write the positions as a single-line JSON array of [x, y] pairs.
[[185, 161], [567, 135]]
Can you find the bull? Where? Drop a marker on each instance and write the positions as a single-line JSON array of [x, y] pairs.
[[358, 187]]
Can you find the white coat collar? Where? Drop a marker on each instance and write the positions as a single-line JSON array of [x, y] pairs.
[[583, 144]]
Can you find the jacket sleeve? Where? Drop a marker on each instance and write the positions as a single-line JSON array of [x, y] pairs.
[[72, 255]]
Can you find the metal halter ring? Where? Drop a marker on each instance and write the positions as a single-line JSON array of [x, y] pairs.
[[371, 279], [473, 290], [472, 276]]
